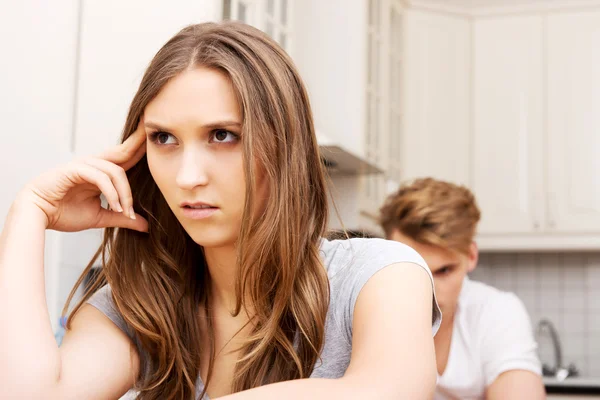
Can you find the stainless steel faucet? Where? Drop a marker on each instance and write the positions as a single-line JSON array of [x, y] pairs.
[[558, 370]]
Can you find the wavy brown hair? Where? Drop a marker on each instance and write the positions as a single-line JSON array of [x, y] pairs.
[[160, 280]]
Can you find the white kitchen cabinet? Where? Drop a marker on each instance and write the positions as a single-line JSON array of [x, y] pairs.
[[573, 103], [333, 70], [36, 77], [435, 97], [508, 124], [529, 149], [425, 85], [348, 77], [536, 172]]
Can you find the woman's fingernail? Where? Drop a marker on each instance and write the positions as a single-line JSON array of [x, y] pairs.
[[119, 208], [131, 213]]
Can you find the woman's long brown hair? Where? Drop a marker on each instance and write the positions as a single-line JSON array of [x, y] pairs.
[[159, 280]]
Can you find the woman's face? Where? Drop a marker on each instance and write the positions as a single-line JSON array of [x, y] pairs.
[[195, 154]]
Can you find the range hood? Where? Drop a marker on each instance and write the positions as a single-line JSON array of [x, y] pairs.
[[340, 161]]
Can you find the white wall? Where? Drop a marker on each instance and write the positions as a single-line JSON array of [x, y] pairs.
[[37, 80], [38, 41], [344, 202], [118, 40]]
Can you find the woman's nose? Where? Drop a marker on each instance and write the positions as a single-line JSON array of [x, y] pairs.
[[192, 170]]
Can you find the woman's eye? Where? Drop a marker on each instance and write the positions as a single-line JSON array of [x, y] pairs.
[[224, 136], [163, 138]]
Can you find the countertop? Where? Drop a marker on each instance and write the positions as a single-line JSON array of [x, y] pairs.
[[577, 385]]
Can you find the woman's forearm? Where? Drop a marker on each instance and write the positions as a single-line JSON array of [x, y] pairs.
[[324, 389], [296, 390], [30, 359]]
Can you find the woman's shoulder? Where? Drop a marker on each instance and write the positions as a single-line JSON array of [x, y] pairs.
[[350, 265], [339, 255]]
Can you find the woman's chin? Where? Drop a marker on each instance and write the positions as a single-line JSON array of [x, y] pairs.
[[209, 238]]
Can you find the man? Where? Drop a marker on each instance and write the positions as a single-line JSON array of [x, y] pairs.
[[485, 346]]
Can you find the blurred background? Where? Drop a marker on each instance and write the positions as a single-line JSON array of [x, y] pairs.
[[502, 96]]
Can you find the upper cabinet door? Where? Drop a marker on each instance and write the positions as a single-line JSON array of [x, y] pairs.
[[574, 122], [435, 135], [508, 123]]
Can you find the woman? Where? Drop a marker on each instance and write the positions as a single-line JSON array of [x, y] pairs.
[[221, 283]]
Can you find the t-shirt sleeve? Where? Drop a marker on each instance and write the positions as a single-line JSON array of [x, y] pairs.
[[507, 342], [104, 302], [366, 258]]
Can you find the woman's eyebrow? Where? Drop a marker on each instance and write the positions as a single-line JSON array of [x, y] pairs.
[[222, 123], [210, 125], [154, 125]]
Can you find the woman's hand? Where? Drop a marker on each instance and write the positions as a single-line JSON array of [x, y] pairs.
[[69, 195]]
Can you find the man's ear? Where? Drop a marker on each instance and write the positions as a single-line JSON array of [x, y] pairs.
[[473, 257]]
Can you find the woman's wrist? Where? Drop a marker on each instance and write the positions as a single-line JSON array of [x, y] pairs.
[[25, 206]]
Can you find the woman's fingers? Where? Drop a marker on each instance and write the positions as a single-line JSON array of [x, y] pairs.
[[83, 172], [128, 153], [127, 165], [120, 182], [108, 218], [115, 162], [112, 182]]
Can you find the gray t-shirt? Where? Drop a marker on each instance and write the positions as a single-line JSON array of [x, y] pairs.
[[349, 264]]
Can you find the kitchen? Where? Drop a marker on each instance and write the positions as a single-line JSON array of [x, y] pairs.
[[501, 96]]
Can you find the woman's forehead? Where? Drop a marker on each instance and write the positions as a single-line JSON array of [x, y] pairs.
[[200, 94]]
